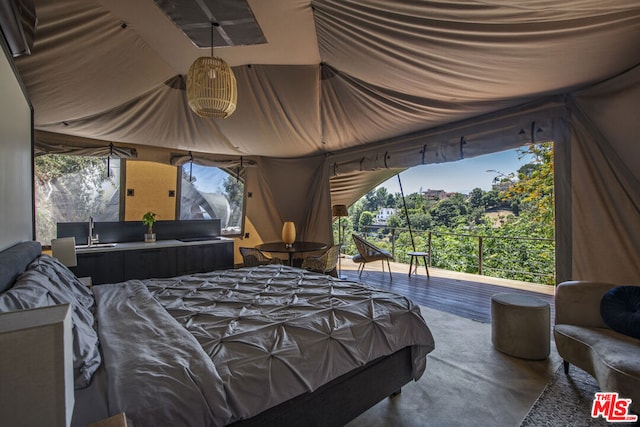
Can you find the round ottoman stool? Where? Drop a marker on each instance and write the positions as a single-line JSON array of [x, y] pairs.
[[520, 325]]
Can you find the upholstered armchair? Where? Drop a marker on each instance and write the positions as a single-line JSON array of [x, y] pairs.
[[584, 339]]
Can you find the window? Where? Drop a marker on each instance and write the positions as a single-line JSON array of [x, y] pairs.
[[209, 193], [72, 188]]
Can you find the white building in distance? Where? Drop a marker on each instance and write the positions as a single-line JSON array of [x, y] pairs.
[[383, 215]]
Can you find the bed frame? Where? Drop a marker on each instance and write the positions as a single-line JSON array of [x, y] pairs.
[[343, 399], [333, 404]]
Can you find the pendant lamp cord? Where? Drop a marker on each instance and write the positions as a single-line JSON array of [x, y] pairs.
[[109, 160], [212, 40], [406, 213]]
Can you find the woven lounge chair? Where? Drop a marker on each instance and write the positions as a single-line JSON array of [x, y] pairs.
[[325, 263], [368, 252], [252, 257]]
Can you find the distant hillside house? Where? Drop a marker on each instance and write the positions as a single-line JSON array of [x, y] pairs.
[[383, 215], [502, 186], [436, 194]]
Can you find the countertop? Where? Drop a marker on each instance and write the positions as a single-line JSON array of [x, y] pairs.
[[130, 246]]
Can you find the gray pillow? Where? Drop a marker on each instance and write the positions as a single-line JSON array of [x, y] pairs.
[[35, 289]]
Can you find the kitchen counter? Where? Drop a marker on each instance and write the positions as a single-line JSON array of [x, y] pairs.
[[117, 262], [129, 246]]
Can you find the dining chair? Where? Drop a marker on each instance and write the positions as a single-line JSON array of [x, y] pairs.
[[252, 257], [64, 249], [324, 263]]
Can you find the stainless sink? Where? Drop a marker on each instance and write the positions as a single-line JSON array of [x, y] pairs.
[[97, 246]]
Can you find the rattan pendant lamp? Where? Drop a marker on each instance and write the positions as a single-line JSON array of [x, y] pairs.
[[211, 86]]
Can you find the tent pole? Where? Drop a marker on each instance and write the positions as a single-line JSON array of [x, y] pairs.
[[406, 213]]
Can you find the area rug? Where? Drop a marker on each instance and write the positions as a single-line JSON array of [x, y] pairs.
[[566, 401], [467, 382]]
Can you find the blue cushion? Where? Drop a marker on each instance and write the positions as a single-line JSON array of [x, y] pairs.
[[620, 310]]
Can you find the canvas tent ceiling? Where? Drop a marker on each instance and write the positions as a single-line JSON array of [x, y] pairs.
[[373, 85], [333, 74]]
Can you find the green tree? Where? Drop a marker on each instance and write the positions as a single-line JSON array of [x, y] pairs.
[[53, 166], [356, 210], [491, 199], [420, 220], [234, 190], [390, 202], [378, 198], [476, 198], [70, 188], [413, 201], [394, 221], [455, 223], [448, 212], [444, 212], [366, 218], [534, 189]]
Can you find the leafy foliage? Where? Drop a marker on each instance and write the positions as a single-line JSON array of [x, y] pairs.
[[72, 188], [534, 188], [52, 167], [149, 219], [234, 190], [512, 225], [366, 218]]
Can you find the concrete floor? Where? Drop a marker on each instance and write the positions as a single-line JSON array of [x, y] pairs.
[[467, 382]]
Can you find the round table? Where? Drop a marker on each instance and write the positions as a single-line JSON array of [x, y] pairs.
[[296, 247]]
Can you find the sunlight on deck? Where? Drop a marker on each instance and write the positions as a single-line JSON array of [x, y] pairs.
[[396, 267]]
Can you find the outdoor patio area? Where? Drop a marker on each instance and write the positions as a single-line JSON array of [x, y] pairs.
[[462, 294]]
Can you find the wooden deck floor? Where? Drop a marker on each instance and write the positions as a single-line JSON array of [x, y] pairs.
[[465, 295]]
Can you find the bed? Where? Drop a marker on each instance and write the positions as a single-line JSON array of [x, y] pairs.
[[267, 345]]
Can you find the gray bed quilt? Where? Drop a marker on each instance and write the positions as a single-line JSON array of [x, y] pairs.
[[226, 345]]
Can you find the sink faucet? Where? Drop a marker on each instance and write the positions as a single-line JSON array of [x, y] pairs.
[[91, 240]]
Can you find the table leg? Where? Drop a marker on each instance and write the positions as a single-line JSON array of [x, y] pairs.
[[424, 258], [414, 268]]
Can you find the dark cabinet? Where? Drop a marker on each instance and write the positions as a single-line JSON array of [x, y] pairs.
[[114, 266], [217, 258], [189, 260], [102, 267], [203, 258], [149, 263]]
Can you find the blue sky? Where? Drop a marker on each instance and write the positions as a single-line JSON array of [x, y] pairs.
[[461, 176], [209, 180]]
